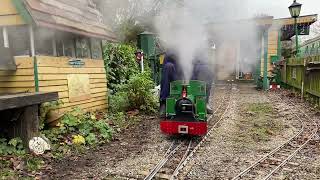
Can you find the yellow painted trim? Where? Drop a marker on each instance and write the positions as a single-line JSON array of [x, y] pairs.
[[11, 20]]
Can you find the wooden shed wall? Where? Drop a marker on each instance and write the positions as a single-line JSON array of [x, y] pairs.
[[21, 80], [8, 14], [53, 76]]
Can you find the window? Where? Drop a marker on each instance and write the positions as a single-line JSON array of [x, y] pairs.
[[96, 48], [83, 48], [19, 40], [69, 47], [6, 58], [44, 41]]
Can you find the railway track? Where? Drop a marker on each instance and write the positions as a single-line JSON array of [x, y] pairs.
[[181, 151], [268, 166]]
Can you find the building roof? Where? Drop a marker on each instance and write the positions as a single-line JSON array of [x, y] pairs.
[[310, 41], [75, 16]]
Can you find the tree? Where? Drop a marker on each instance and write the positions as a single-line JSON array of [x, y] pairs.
[[128, 18]]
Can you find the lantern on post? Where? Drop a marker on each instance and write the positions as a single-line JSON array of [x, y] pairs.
[[139, 59], [295, 10]]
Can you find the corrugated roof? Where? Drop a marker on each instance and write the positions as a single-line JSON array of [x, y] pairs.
[[76, 16]]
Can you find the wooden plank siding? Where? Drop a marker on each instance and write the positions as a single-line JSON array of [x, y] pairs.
[[9, 15], [21, 80], [293, 72], [53, 76]]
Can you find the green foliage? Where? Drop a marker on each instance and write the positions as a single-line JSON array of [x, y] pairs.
[[129, 89], [34, 163], [136, 94], [119, 101], [14, 160], [139, 93], [78, 129], [121, 64], [12, 147], [129, 31], [122, 121], [45, 108], [7, 173]]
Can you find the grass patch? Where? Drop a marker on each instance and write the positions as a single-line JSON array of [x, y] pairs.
[[260, 108], [258, 123]]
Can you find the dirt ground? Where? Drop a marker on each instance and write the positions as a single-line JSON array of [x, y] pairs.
[[253, 125]]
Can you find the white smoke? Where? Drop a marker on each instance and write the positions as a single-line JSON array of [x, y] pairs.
[[183, 33], [186, 27]]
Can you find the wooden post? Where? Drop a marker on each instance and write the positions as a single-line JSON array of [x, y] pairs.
[[27, 125], [32, 46], [303, 78], [74, 49], [63, 49], [31, 121], [54, 46]]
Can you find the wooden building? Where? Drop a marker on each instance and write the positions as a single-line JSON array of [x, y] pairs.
[[267, 34], [55, 45], [310, 47]]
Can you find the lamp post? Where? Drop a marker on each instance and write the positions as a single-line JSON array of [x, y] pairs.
[[295, 10]]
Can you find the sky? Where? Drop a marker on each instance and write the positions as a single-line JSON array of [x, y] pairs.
[[279, 8]]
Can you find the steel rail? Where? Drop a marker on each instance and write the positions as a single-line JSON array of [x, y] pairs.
[[163, 161], [296, 151], [169, 153], [165, 155], [177, 171], [244, 172]]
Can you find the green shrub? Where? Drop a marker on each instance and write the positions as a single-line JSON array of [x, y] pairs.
[[135, 95], [118, 102], [121, 64], [11, 147]]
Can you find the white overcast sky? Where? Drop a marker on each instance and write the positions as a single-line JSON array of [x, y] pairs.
[[279, 8]]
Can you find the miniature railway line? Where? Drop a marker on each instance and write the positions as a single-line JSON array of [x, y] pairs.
[[268, 166], [180, 152]]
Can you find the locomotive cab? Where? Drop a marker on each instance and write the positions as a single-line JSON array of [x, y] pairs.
[[186, 109]]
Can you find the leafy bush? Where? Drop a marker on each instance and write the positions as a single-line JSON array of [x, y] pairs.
[[119, 102], [121, 64], [78, 129], [136, 94], [12, 147], [14, 160]]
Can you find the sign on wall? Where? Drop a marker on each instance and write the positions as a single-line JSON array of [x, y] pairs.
[[76, 63], [304, 30], [79, 87]]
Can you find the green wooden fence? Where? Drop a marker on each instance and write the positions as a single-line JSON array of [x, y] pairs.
[[303, 74]]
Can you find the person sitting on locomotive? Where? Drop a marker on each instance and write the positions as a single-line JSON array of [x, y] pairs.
[[171, 71]]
